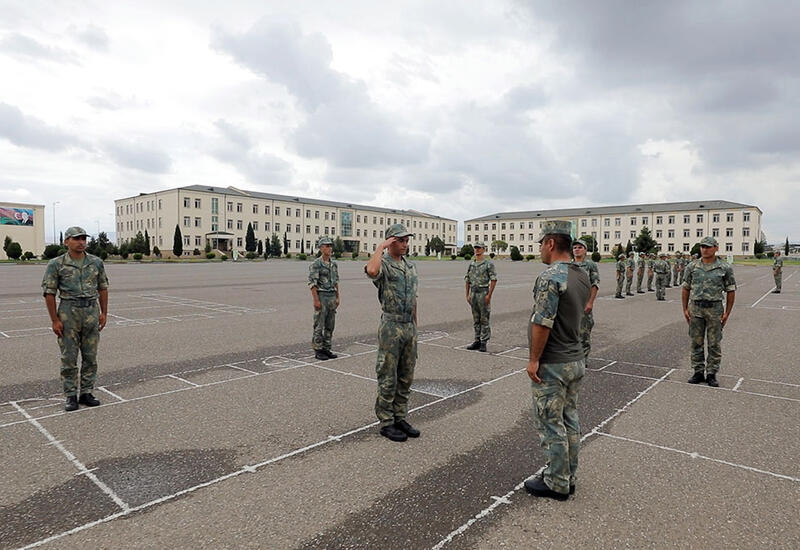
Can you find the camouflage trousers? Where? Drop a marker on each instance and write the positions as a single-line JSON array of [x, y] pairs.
[[628, 283], [620, 281], [555, 413], [81, 334], [650, 276], [778, 278], [674, 276], [480, 314], [324, 321], [661, 282], [639, 279], [705, 326], [587, 323], [397, 356], [680, 276]]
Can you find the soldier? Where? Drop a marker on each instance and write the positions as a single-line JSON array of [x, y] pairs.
[[640, 264], [396, 279], [556, 363], [682, 262], [630, 266], [777, 272], [588, 266], [651, 262], [706, 281], [323, 280], [676, 268], [661, 268], [620, 275], [80, 280], [481, 279], [668, 278]]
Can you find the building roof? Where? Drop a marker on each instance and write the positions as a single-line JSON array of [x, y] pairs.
[[620, 209], [234, 191]]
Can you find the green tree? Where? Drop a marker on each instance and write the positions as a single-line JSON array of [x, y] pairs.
[[338, 247], [275, 246], [208, 246], [7, 241], [515, 254], [91, 247], [499, 245], [177, 242], [14, 250], [617, 250], [591, 245], [786, 247], [146, 250], [137, 244], [437, 245], [61, 237], [628, 247], [52, 250], [428, 247], [250, 239], [466, 249], [596, 257], [758, 247], [285, 244], [260, 248], [644, 242]]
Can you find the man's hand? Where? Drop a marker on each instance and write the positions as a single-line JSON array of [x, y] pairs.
[[468, 301], [725, 318], [317, 304], [102, 321], [337, 300], [588, 309], [533, 371], [488, 300], [385, 244], [58, 328], [688, 316]]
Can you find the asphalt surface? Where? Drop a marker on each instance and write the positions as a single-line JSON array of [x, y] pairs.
[[219, 429]]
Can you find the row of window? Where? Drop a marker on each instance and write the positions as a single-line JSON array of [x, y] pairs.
[[618, 234], [687, 247]]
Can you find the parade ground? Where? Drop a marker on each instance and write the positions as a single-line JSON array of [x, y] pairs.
[[219, 429]]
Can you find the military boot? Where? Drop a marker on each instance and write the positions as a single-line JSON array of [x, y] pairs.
[[395, 434], [697, 377], [711, 379], [406, 428], [474, 345], [620, 296], [71, 403], [538, 488], [330, 354], [482, 347], [321, 355], [89, 400]]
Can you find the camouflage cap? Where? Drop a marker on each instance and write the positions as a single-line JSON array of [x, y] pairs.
[[556, 227], [709, 241], [621, 257], [75, 231], [479, 244], [663, 254], [580, 242], [324, 240], [398, 230], [630, 253]]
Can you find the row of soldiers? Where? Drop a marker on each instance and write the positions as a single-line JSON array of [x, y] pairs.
[[666, 272]]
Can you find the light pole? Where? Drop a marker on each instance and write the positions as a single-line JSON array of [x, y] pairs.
[[54, 223]]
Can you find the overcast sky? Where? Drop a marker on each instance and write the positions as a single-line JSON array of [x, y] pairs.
[[457, 108]]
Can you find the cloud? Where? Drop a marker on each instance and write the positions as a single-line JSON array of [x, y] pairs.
[[28, 131], [25, 47], [112, 101], [343, 124], [138, 156], [92, 36], [257, 165]]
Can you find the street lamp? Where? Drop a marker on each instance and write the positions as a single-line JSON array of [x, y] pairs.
[[54, 223]]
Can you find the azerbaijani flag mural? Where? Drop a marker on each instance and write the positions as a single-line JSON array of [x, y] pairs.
[[15, 216]]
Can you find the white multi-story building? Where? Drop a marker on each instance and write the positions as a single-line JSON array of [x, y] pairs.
[[676, 226], [220, 217], [24, 224]]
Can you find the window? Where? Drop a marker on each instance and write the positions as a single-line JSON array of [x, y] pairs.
[[617, 234], [159, 223], [729, 217], [333, 216], [358, 218], [745, 231], [238, 241], [715, 232], [671, 219], [214, 205], [671, 233], [316, 214], [187, 202], [255, 209], [485, 237], [288, 228], [745, 247], [686, 218], [729, 231], [486, 227], [288, 212], [238, 224], [316, 230], [230, 207], [297, 228], [606, 235], [607, 222], [511, 225], [266, 209], [644, 220], [197, 240], [633, 220], [715, 218], [266, 226], [494, 226], [699, 218], [671, 247], [187, 221], [728, 247], [374, 233], [469, 238], [197, 203], [502, 225], [186, 240], [255, 226], [347, 224], [503, 237], [686, 233], [296, 212], [308, 229], [617, 221], [699, 233], [159, 204], [633, 234], [583, 223], [327, 215], [594, 222], [214, 223], [198, 222], [522, 236], [686, 247], [308, 213], [746, 216], [238, 207], [605, 248], [469, 228], [358, 233], [277, 227]]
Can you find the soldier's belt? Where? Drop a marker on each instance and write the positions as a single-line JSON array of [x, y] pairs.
[[706, 303], [326, 290], [478, 288], [80, 302], [398, 317]]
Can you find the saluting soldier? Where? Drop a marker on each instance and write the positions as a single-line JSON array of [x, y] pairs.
[[777, 271], [630, 266], [323, 280], [481, 278], [590, 267], [651, 262], [640, 265], [620, 275], [80, 281], [706, 282], [661, 269], [396, 279]]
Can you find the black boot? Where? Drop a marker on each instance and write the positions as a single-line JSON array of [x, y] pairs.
[[482, 347], [330, 354], [711, 380], [390, 432], [697, 377], [321, 355], [406, 428], [89, 400], [71, 403], [537, 487], [474, 345]]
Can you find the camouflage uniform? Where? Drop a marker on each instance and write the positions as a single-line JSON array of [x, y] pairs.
[[630, 267], [777, 272], [397, 337], [478, 276], [587, 323], [668, 278], [324, 277], [682, 263], [555, 399], [676, 270], [620, 275], [640, 273], [707, 284], [661, 269], [77, 283], [651, 262]]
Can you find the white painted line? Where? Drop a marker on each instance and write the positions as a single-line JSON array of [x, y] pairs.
[[738, 384], [121, 318], [73, 459], [182, 380], [354, 375], [703, 457], [773, 382], [605, 366], [111, 393], [515, 348], [501, 500], [4, 334], [767, 293], [241, 369]]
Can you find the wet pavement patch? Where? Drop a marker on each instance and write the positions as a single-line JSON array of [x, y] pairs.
[[445, 387]]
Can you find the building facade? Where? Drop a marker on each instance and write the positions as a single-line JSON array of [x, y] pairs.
[[23, 223], [675, 226], [219, 216]]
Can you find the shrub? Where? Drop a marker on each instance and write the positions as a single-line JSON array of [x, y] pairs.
[[210, 255], [596, 256], [301, 256], [530, 257], [289, 255], [137, 256], [466, 249], [251, 255], [453, 256], [355, 255], [124, 254], [156, 251], [468, 257], [515, 254], [266, 255], [491, 255], [414, 254], [14, 251], [770, 255], [102, 254], [196, 252], [223, 257], [28, 255], [337, 255], [53, 250]]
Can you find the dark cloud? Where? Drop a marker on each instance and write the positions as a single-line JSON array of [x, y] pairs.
[[25, 47], [28, 131], [144, 158], [343, 124]]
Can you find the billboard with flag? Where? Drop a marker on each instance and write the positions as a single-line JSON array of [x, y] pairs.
[[15, 216]]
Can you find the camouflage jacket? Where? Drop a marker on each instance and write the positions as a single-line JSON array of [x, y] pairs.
[[641, 263], [661, 266], [777, 265], [631, 263], [323, 276], [73, 280], [651, 264], [709, 281], [480, 273], [620, 266], [397, 285], [590, 268]]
